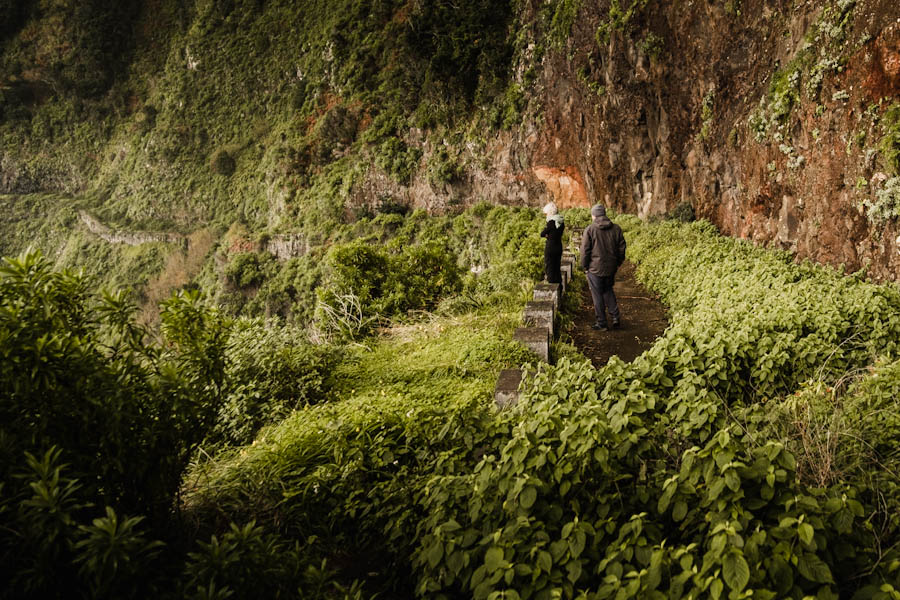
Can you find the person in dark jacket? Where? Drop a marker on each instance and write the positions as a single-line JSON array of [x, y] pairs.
[[602, 252], [553, 247]]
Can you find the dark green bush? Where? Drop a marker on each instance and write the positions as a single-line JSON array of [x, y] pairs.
[[386, 284], [222, 163], [443, 170], [423, 274], [76, 373], [50, 547], [397, 159], [361, 269], [336, 130], [248, 269], [683, 213]]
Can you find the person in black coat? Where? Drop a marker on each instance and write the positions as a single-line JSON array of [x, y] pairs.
[[553, 247]]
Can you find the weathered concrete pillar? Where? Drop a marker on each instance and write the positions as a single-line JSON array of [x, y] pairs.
[[551, 292], [567, 268], [536, 339], [506, 393], [540, 314]]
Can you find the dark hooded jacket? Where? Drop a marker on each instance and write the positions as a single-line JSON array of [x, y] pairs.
[[602, 247]]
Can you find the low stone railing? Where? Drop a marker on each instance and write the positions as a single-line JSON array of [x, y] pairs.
[[539, 324]]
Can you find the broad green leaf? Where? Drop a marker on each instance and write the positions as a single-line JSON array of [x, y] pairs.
[[574, 570], [735, 571], [806, 533], [493, 560], [544, 561], [679, 511], [814, 569], [527, 497], [732, 480], [715, 589], [435, 554]]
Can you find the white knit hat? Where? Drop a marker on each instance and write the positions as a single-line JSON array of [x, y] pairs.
[[550, 209]]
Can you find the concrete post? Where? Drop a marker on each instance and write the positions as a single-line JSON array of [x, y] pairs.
[[568, 271], [536, 339], [506, 393], [551, 292], [540, 314]]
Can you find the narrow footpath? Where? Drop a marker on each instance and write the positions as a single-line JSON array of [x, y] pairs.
[[643, 320]]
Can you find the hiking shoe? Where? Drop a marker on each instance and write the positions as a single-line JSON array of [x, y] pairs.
[[600, 326], [616, 323]]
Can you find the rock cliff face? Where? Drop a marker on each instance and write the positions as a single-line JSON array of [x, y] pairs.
[[768, 118]]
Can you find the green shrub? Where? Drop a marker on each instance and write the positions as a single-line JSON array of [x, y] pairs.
[[51, 549], [683, 212], [443, 170], [397, 159], [73, 362], [423, 274], [222, 163], [378, 284], [272, 369], [249, 269], [362, 269], [246, 561]]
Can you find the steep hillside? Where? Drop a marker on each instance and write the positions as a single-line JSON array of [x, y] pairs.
[[777, 120]]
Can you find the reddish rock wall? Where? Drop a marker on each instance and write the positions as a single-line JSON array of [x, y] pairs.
[[619, 127]]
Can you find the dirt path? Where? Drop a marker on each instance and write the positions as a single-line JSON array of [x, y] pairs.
[[643, 320]]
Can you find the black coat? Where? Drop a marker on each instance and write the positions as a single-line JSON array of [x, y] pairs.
[[553, 250], [602, 247]]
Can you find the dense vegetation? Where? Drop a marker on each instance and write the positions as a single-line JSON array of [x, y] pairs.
[[102, 416], [752, 449], [224, 110], [321, 426]]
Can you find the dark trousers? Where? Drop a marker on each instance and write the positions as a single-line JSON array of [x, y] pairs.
[[603, 296], [552, 259]]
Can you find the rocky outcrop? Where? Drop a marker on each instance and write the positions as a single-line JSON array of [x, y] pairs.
[[285, 246], [645, 126]]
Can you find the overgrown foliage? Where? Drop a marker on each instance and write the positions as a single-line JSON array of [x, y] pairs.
[[101, 416], [707, 467]]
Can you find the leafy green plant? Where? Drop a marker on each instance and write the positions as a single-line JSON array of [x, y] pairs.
[[74, 361], [113, 553], [273, 369], [653, 46], [248, 269]]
